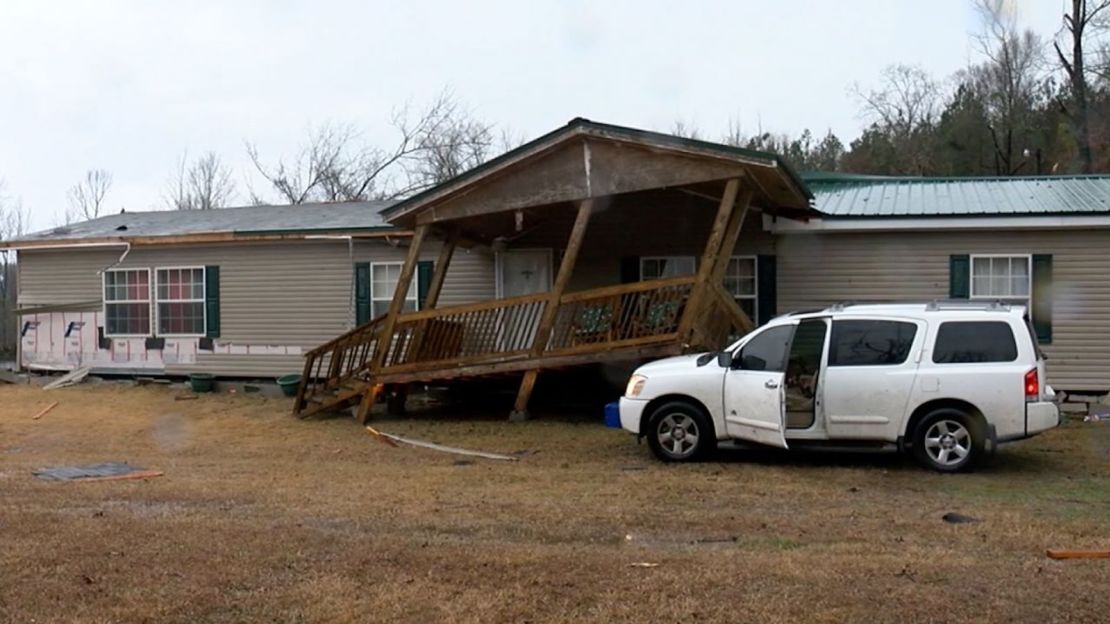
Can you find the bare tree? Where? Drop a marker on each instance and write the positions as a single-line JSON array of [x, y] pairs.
[[1084, 19], [204, 185], [335, 165], [904, 108], [685, 129], [14, 218], [1008, 81], [86, 198]]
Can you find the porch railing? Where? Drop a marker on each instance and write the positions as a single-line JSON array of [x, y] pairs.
[[490, 332]]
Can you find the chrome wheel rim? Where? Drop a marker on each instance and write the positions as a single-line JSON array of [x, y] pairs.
[[678, 435], [948, 442]]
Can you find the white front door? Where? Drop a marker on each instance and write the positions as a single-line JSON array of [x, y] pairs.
[[523, 272], [754, 402]]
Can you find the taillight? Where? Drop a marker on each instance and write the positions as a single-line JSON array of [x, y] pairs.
[[1032, 386]]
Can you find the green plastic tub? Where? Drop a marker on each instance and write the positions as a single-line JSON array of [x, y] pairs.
[[202, 382], [289, 384]]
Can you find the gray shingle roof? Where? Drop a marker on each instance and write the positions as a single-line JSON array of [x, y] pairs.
[[303, 218], [848, 195]]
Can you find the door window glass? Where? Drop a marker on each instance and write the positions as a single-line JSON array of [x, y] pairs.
[[960, 342], [870, 343], [767, 351]]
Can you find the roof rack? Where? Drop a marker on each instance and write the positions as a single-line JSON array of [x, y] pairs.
[[996, 305]]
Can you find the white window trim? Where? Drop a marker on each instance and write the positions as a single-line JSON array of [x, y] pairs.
[[1029, 273], [677, 257], [149, 301], [415, 289], [755, 282], [203, 300]]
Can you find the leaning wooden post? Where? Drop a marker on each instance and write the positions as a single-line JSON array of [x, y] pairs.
[[396, 406], [444, 260], [551, 308], [708, 259], [385, 338]]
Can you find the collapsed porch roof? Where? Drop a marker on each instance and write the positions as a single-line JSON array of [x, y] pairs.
[[586, 159]]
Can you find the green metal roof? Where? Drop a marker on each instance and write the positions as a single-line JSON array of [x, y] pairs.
[[854, 195]]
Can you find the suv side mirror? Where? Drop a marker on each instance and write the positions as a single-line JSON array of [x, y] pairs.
[[724, 359]]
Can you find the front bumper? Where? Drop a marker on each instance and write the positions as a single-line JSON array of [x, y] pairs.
[[632, 410], [1041, 416]]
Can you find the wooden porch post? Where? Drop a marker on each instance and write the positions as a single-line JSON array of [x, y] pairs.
[[708, 259], [395, 307], [445, 254], [396, 404], [551, 309]]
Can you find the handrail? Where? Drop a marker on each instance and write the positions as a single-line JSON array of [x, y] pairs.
[[620, 289], [463, 308], [334, 342]]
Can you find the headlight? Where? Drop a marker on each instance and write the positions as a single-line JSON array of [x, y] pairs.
[[635, 386]]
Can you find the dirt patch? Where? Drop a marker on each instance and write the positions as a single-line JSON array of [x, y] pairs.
[[264, 517]]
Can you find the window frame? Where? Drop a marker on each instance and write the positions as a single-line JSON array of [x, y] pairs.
[[754, 297], [151, 321], [156, 314], [414, 288], [1027, 299], [643, 259]]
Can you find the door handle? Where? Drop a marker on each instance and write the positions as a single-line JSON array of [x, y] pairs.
[[770, 384]]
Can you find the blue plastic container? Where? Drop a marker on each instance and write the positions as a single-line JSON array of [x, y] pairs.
[[613, 415]]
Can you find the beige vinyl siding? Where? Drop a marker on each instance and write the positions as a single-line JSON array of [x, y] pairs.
[[287, 294], [56, 276], [820, 269]]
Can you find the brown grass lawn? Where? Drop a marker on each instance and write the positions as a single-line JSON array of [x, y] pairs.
[[264, 517]]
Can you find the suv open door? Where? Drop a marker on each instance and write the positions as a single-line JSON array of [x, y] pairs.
[[754, 399]]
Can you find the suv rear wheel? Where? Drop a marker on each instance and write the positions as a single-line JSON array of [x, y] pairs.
[[947, 440], [679, 431]]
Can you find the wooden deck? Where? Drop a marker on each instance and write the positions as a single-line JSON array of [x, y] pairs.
[[626, 322]]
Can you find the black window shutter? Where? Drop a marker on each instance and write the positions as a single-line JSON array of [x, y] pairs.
[[766, 272], [362, 293], [424, 271], [1041, 302], [212, 301], [959, 277], [630, 269]]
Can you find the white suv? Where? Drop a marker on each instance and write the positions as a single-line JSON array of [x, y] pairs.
[[945, 380]]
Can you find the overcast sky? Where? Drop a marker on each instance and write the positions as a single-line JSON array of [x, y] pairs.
[[130, 86]]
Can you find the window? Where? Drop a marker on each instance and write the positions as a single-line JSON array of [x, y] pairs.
[[180, 298], [870, 343], [740, 281], [767, 350], [1001, 277], [383, 281], [127, 302], [962, 342], [659, 267]]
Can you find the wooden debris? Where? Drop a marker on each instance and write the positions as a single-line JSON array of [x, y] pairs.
[[1077, 554], [393, 439], [69, 379], [185, 397], [141, 474], [643, 564], [381, 437], [45, 410]]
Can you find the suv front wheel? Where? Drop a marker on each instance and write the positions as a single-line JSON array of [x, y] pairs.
[[947, 440], [679, 431]]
